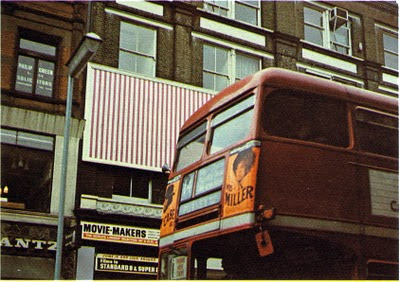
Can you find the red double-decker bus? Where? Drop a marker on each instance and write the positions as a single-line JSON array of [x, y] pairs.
[[284, 176]]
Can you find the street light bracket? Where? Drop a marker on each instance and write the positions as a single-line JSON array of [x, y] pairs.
[[85, 51]]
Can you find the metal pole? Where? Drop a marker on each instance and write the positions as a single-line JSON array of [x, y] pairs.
[[64, 166]]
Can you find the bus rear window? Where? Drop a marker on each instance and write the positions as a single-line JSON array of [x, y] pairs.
[[232, 125], [307, 117], [190, 147], [377, 132]]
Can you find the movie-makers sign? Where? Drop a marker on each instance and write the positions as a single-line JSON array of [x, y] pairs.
[[120, 234]]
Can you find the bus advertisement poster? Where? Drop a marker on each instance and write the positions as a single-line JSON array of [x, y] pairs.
[[241, 181]]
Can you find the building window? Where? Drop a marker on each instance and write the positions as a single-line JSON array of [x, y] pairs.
[[137, 49], [36, 65], [26, 170], [139, 184], [223, 66], [390, 51], [245, 11], [322, 27]]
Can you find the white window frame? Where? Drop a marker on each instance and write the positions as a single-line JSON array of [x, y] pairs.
[[137, 53], [232, 54], [327, 38], [388, 51], [210, 5]]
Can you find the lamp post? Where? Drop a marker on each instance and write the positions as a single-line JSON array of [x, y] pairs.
[[78, 61]]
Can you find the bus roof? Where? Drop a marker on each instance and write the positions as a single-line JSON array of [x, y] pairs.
[[282, 78]]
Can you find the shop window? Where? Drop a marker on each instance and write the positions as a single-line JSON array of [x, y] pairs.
[[137, 49], [26, 170], [36, 64], [390, 51], [328, 28], [139, 184], [223, 66], [245, 11]]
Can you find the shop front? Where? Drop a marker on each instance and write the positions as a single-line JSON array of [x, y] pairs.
[[115, 251], [27, 247]]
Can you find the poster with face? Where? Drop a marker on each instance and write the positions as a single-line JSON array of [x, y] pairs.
[[240, 185], [169, 208]]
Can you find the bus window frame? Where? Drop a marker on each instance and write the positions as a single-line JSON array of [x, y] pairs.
[[265, 134], [355, 121], [235, 101], [196, 136], [195, 196]]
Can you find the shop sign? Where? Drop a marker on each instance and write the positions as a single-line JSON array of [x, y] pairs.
[[126, 264], [24, 243], [120, 234]]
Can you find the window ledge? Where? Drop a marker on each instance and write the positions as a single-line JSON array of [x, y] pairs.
[[120, 205], [332, 52], [28, 217]]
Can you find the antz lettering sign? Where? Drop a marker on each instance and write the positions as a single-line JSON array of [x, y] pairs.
[[23, 243]]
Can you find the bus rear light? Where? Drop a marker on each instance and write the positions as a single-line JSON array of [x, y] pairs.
[[265, 213]]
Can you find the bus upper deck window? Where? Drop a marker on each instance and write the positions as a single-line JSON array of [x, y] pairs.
[[306, 117], [232, 125], [377, 132], [190, 146]]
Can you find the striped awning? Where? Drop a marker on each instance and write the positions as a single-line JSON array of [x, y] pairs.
[[133, 121]]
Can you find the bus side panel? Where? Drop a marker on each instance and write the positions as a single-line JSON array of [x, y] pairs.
[[308, 180], [239, 191], [380, 178]]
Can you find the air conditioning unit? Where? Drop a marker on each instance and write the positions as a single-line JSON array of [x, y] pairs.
[[338, 17]]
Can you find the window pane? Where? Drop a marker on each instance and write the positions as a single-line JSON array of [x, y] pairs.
[[128, 37], [190, 146], [127, 61], [314, 35], [190, 153], [390, 43], [146, 41], [246, 13], [37, 47], [306, 117], [221, 82], [209, 58], [25, 72], [208, 80], [141, 42], [391, 61], [210, 177], [145, 65], [377, 133], [246, 65], [221, 61], [187, 187], [341, 35], [234, 130], [233, 110], [231, 132], [26, 177], [313, 17], [45, 76]]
